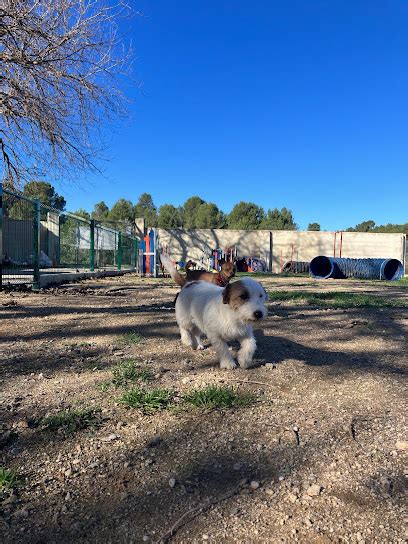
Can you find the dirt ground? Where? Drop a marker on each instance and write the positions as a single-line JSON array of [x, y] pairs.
[[318, 458]]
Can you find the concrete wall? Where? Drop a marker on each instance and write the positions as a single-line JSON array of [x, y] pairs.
[[306, 245], [278, 247], [197, 244]]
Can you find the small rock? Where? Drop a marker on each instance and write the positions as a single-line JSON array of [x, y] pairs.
[[401, 445], [292, 497], [111, 437], [145, 538], [172, 482], [238, 466], [314, 490], [205, 537], [269, 366], [269, 491], [386, 484], [22, 424], [254, 484], [68, 472]]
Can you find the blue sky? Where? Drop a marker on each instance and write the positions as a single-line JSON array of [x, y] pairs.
[[294, 103]]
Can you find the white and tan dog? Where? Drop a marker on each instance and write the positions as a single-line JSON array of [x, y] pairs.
[[222, 314]]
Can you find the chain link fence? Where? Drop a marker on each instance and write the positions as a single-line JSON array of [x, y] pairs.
[[36, 239]]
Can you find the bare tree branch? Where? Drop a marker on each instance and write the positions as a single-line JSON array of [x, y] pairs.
[[60, 65]]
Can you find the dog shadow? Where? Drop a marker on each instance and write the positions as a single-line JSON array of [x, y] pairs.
[[277, 350]]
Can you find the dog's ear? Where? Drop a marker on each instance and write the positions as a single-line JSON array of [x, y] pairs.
[[226, 296]]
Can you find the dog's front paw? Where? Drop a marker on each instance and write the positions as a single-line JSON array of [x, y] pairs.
[[230, 365], [244, 362]]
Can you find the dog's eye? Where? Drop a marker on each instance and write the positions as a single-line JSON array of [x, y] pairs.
[[244, 296]]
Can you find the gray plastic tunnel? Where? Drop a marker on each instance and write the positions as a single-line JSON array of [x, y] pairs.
[[373, 269]]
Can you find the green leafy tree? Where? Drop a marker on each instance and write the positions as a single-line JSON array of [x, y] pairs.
[[246, 216], [370, 226], [365, 226], [208, 216], [100, 211], [46, 193], [313, 226], [145, 208], [169, 217], [122, 210], [392, 227], [83, 213], [278, 220], [189, 212], [16, 208]]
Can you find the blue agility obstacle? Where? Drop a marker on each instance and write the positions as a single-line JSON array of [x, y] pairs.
[[322, 267]]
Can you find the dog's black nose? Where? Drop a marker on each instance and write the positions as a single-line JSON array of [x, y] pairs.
[[258, 314]]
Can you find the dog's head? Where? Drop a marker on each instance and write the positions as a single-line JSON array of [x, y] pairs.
[[247, 298], [228, 270]]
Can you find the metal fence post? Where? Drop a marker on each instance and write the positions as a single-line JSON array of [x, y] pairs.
[[92, 247], [119, 256], [155, 250], [1, 234], [36, 244], [135, 252]]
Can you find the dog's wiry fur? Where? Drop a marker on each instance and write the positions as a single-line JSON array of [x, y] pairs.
[[220, 278], [222, 314]]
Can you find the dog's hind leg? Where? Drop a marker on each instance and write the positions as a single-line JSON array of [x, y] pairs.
[[246, 352], [224, 355], [196, 333], [186, 338]]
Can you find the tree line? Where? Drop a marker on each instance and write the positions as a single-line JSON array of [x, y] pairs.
[[195, 213], [370, 226]]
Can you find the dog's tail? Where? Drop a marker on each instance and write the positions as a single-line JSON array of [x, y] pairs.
[[171, 269]]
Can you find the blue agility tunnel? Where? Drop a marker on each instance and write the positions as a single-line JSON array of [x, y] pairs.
[[322, 267]]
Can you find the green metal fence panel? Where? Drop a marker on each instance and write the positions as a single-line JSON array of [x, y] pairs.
[[37, 239], [16, 232], [128, 252], [74, 241], [106, 247]]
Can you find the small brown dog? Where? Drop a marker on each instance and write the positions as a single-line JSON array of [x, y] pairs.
[[221, 278]]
